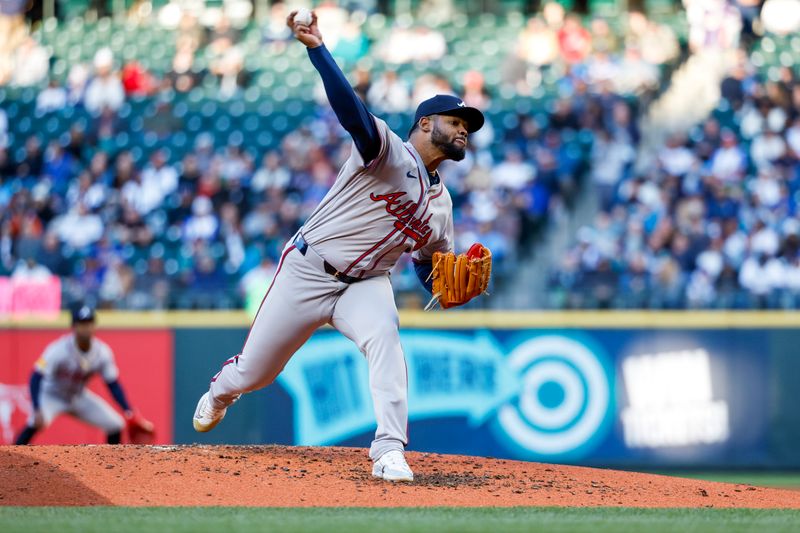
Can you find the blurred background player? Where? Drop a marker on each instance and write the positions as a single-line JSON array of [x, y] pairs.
[[58, 383]]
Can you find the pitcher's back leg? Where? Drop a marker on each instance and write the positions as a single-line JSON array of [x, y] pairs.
[[294, 307]]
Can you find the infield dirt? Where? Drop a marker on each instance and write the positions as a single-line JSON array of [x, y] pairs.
[[280, 476]]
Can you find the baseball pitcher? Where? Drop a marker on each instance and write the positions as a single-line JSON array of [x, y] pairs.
[[388, 199], [58, 382]]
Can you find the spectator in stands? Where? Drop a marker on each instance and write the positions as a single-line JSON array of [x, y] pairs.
[[331, 19], [159, 178], [603, 38], [116, 284], [31, 63], [404, 45], [59, 167], [235, 165], [77, 82], [675, 158], [352, 45], [537, 44], [275, 32], [230, 233], [12, 32], [51, 98], [29, 270], [389, 93], [205, 282], [105, 88], [474, 91], [657, 42], [183, 76], [513, 173], [612, 159], [50, 256], [755, 277], [429, 85], [254, 283], [636, 75], [767, 148], [363, 81], [230, 73], [151, 290], [137, 80], [78, 227], [203, 223], [732, 88], [26, 228], [87, 191], [271, 174], [32, 162], [728, 162], [222, 36], [574, 41], [189, 33]]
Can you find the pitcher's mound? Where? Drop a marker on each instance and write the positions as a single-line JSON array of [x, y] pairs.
[[280, 476]]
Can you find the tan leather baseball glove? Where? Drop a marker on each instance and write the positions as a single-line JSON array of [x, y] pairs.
[[458, 279]]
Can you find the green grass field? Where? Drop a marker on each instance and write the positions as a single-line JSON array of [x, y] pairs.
[[781, 480], [396, 520]]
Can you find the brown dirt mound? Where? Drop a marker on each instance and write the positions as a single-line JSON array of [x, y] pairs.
[[288, 476]]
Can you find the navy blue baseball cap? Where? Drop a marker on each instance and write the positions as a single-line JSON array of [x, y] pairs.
[[82, 313], [445, 104]]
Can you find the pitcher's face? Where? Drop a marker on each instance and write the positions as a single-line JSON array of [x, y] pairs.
[[449, 134]]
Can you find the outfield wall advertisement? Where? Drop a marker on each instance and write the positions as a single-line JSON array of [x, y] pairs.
[[607, 394], [615, 397]]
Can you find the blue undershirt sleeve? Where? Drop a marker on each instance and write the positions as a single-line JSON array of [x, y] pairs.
[[35, 386], [119, 395], [350, 110], [423, 270]]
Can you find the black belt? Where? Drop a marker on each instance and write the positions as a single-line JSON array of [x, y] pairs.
[[302, 247]]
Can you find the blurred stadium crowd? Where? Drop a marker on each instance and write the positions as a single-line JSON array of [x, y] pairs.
[[713, 221], [161, 161]]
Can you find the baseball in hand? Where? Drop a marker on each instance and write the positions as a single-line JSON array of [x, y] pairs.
[[303, 16]]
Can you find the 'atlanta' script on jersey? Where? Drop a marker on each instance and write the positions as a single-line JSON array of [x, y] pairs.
[[416, 228]]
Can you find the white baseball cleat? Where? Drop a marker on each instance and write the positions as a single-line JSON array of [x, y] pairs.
[[392, 466], [206, 416]]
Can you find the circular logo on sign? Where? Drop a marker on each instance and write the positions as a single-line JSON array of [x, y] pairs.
[[565, 400]]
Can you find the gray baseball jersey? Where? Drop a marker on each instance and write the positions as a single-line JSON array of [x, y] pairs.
[[65, 370], [372, 215]]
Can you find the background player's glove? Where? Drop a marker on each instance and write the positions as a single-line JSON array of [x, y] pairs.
[[140, 430], [458, 279]]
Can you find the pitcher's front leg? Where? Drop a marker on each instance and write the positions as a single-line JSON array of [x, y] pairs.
[[366, 314]]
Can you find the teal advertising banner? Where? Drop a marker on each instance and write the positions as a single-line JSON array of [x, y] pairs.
[[616, 397]]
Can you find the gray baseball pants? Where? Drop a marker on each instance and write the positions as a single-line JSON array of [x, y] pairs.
[[303, 298], [86, 406]]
